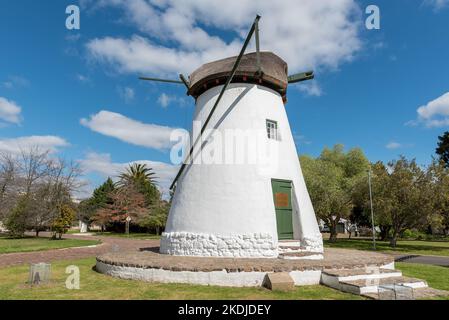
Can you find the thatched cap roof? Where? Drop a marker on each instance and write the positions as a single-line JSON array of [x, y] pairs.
[[274, 73]]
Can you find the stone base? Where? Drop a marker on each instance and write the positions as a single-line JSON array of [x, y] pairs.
[[256, 245], [248, 272]]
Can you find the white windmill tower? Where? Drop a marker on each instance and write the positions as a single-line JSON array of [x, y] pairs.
[[241, 209]]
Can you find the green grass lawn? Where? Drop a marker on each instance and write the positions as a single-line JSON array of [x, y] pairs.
[[437, 277], [433, 248], [142, 236], [28, 244], [98, 286]]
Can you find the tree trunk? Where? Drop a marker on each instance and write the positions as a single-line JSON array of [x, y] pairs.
[[37, 232], [384, 231], [333, 230], [394, 239]]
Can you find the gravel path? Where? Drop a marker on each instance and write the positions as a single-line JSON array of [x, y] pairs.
[[108, 244]]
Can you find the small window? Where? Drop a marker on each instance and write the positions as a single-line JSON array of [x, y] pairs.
[[272, 130]]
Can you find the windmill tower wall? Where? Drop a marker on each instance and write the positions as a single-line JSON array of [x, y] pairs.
[[228, 210]]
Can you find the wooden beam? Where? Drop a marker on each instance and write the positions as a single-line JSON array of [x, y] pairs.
[[228, 81]]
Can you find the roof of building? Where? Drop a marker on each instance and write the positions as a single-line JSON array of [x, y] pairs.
[[274, 73]]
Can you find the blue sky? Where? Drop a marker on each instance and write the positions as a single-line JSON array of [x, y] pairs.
[[76, 91]]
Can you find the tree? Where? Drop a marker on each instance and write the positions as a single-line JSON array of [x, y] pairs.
[[443, 148], [158, 217], [36, 183], [440, 194], [143, 179], [61, 224], [16, 223], [48, 185], [332, 179], [89, 210], [137, 173], [135, 195], [402, 196], [127, 201], [8, 172]]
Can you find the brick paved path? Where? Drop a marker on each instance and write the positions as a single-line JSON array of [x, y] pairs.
[[109, 244]]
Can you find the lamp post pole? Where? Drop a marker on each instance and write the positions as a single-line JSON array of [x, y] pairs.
[[372, 211]]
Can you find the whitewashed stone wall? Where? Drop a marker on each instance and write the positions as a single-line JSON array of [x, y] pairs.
[[260, 245], [312, 243]]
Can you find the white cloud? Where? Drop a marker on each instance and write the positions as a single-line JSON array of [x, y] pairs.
[[310, 88], [437, 4], [82, 78], [126, 93], [15, 81], [103, 165], [10, 111], [306, 33], [165, 100], [393, 145], [301, 139], [15, 145], [128, 130], [435, 113]]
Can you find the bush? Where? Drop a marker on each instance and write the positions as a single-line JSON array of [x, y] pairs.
[[16, 223], [63, 221], [414, 235]]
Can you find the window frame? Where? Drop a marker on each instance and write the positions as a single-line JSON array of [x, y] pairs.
[[272, 128]]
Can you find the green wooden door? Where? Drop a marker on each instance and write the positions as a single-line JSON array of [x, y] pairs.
[[282, 196]]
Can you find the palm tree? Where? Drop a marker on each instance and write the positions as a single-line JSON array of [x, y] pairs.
[[137, 173]]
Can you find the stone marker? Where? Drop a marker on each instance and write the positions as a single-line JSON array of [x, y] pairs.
[[280, 281]]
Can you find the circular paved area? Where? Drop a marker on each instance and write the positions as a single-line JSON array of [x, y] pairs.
[[108, 244], [333, 259]]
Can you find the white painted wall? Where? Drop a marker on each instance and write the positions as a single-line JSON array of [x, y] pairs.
[[228, 209]]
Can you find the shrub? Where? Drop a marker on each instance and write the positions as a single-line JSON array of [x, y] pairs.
[[16, 223], [63, 221]]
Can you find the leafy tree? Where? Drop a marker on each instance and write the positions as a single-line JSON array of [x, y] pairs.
[[102, 195], [127, 201], [135, 195], [440, 194], [402, 196], [61, 224], [158, 217], [443, 148], [332, 179], [89, 209], [16, 223]]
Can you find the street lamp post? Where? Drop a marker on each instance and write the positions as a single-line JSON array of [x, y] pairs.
[[372, 210]]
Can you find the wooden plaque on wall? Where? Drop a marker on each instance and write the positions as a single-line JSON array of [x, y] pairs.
[[281, 200]]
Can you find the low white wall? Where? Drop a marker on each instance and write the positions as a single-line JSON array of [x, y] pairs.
[[216, 278], [213, 278]]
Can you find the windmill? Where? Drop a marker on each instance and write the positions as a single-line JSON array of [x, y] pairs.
[[228, 210]]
